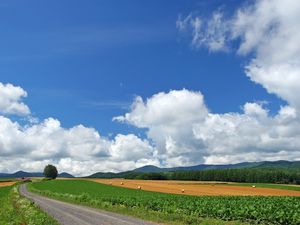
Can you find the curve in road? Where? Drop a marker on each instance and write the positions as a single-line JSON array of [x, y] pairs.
[[70, 214]]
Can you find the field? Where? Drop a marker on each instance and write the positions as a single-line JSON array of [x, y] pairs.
[[7, 183], [204, 188], [167, 208]]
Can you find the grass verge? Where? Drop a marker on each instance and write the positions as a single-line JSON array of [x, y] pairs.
[[16, 210]]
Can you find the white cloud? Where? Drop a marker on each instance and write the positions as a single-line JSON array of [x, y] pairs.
[[270, 30], [10, 100], [169, 117], [79, 150], [185, 132], [181, 131], [211, 33], [180, 128], [131, 147]]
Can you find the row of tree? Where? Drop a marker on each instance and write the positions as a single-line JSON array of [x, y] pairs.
[[225, 175]]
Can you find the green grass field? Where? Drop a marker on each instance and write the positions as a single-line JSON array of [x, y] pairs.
[[7, 179], [262, 185], [16, 210], [162, 207]]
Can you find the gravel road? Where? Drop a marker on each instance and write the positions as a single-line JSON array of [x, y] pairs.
[[70, 214]]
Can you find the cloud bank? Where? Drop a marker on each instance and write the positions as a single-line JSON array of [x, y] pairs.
[[180, 128]]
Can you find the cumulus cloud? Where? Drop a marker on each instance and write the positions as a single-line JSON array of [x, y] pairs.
[[10, 100], [168, 118], [269, 30], [180, 131], [79, 150], [186, 133]]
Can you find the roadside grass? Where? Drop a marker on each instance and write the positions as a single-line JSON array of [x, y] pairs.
[[263, 185], [16, 210], [174, 209]]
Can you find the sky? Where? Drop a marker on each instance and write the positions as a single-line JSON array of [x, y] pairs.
[[114, 85]]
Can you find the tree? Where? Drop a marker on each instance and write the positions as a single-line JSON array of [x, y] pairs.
[[50, 171]]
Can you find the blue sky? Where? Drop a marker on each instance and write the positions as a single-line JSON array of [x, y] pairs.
[[84, 62], [116, 85]]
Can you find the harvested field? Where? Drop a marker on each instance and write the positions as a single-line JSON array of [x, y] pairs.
[[7, 183], [196, 188]]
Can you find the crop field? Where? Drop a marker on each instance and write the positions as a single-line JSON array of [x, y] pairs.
[[162, 207], [202, 188]]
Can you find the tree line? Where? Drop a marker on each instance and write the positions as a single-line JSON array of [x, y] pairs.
[[225, 175]]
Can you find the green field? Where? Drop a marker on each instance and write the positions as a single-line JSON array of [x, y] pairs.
[[168, 207], [275, 186], [7, 179], [16, 210]]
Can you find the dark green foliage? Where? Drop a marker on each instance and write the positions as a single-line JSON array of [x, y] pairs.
[[127, 175], [151, 176], [50, 171], [283, 176], [253, 209], [253, 175]]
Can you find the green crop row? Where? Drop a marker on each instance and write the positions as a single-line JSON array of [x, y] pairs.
[[252, 209]]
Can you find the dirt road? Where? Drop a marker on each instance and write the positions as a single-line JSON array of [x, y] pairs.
[[70, 214]]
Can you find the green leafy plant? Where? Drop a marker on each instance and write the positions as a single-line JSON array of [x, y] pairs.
[[252, 209]]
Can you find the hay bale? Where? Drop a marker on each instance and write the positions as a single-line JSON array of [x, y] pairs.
[[182, 190]]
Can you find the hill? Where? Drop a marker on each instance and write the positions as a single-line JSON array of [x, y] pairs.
[[20, 174], [65, 175], [281, 164]]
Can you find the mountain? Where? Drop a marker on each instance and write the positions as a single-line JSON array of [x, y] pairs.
[[281, 164], [150, 169], [65, 175], [19, 174], [153, 169]]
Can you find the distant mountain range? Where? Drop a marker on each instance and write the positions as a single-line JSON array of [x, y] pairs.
[[281, 164], [30, 174], [264, 164]]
